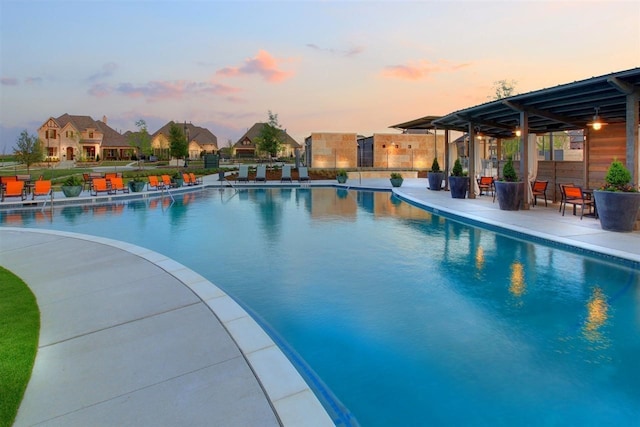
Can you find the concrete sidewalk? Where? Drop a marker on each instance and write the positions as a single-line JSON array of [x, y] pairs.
[[131, 338]]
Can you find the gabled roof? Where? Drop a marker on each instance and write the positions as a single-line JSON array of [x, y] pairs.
[[254, 132], [202, 136], [564, 107], [110, 138]]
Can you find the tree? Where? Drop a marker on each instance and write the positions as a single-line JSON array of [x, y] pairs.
[[503, 89], [28, 149], [178, 145], [271, 136], [141, 140]]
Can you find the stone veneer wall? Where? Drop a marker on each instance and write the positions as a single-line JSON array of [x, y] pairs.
[[407, 151], [334, 150]]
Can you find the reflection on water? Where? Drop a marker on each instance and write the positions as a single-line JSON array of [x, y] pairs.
[[518, 286], [597, 316], [479, 258]]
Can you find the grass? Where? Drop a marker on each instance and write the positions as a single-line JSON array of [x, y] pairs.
[[19, 331]]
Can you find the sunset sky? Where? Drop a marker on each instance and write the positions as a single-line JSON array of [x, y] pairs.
[[347, 66]]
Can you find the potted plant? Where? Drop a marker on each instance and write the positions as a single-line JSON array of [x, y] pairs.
[[341, 176], [458, 182], [435, 176], [617, 202], [509, 191], [177, 179], [136, 184], [396, 179], [72, 186]]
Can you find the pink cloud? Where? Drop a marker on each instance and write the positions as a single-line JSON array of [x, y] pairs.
[[262, 64], [417, 70]]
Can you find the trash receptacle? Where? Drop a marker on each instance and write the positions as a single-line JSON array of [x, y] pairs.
[[220, 175]]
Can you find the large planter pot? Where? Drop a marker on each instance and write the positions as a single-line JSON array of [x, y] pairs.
[[396, 182], [136, 186], [72, 190], [341, 179], [435, 180], [617, 211], [459, 185], [178, 182], [509, 194]]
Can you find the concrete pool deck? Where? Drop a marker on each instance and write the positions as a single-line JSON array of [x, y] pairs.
[[131, 337]]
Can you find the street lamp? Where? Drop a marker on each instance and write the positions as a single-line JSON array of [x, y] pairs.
[[186, 135]]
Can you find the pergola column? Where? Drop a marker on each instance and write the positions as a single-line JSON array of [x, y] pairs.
[[633, 150], [472, 160], [446, 159], [524, 156]]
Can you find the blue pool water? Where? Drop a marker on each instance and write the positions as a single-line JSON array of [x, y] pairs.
[[409, 318]]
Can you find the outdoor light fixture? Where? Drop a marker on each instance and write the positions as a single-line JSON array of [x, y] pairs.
[[518, 132], [596, 124]]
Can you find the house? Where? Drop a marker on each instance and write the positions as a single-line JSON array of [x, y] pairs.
[[201, 140], [72, 137], [246, 145]]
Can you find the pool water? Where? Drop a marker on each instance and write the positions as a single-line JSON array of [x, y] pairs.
[[409, 318]]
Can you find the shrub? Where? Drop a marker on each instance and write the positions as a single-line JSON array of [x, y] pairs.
[[435, 167], [457, 168], [618, 178], [509, 173], [342, 172], [73, 181], [396, 175]]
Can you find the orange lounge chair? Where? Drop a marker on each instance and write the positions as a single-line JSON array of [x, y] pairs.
[[195, 179], [485, 184], [14, 189], [575, 196], [539, 189], [118, 185], [41, 188], [166, 181], [99, 185], [187, 179], [153, 183]]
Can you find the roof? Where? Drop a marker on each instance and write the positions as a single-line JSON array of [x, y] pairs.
[[110, 137], [425, 122], [202, 136], [564, 107], [254, 132]]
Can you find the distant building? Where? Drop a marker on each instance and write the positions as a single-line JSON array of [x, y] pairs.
[[201, 140], [82, 138], [246, 145]]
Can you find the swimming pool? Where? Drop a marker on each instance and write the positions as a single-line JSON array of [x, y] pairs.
[[409, 318]]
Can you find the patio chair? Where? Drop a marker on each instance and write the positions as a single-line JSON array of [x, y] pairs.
[[41, 188], [562, 198], [194, 179], [166, 181], [286, 173], [575, 196], [539, 189], [118, 185], [14, 189], [186, 178], [485, 184], [303, 174], [261, 173], [99, 185], [243, 174]]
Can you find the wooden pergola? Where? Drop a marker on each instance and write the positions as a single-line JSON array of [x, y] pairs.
[[613, 99]]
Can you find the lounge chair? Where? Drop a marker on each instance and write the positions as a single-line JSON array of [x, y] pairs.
[[539, 189], [187, 179], [153, 183], [194, 179], [261, 173], [286, 173], [243, 174], [41, 188], [561, 186], [99, 185], [118, 185], [166, 181], [13, 189], [303, 174], [575, 196]]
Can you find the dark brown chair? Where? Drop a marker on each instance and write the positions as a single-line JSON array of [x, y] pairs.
[[539, 189], [574, 196]]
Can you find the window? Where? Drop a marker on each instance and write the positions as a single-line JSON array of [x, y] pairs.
[[51, 133], [69, 134], [90, 135]]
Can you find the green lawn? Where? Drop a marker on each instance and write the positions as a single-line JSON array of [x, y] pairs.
[[19, 331]]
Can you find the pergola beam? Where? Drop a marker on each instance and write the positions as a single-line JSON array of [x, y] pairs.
[[542, 113], [623, 86]]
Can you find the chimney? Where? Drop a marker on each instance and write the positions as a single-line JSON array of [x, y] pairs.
[[104, 119]]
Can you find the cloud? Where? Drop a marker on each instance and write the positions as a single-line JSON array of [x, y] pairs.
[[157, 90], [262, 64], [417, 70], [33, 80], [9, 81], [354, 51], [106, 71]]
